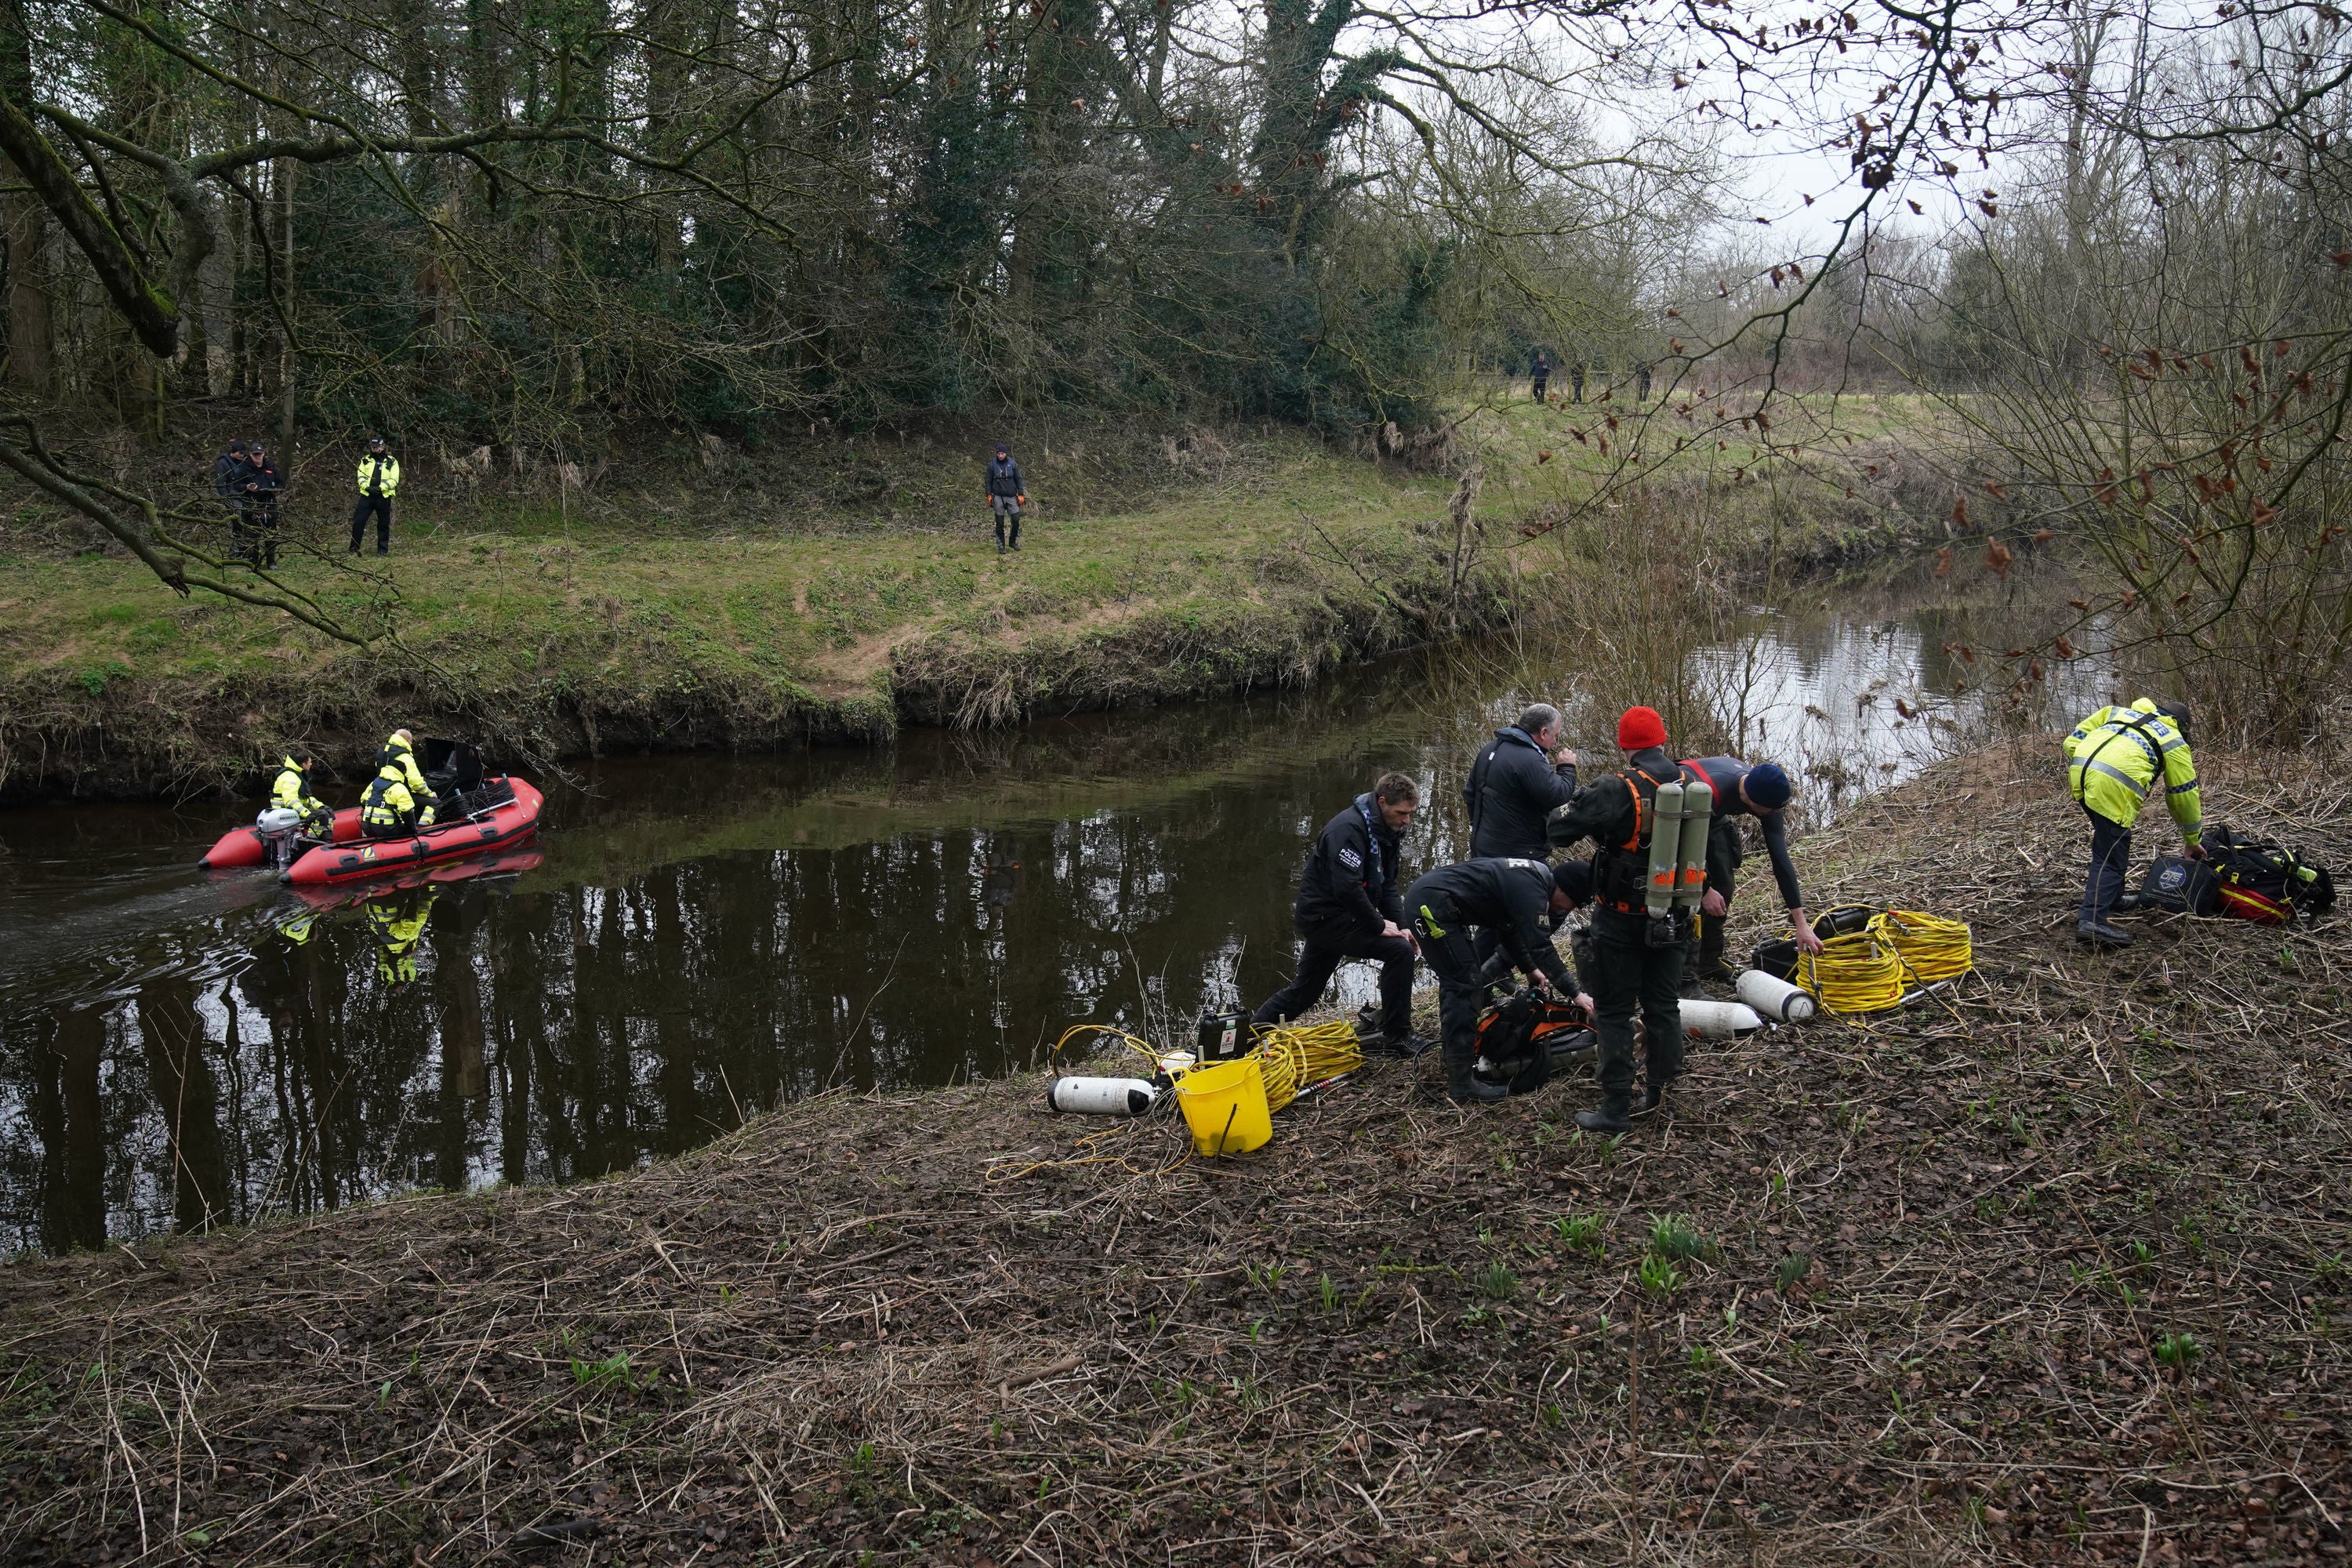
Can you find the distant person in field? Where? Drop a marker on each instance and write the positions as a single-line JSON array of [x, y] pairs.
[[1541, 373], [1007, 494], [1642, 382], [1576, 379]]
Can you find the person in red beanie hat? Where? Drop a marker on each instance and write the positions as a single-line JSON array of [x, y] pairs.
[[1641, 730], [1615, 811]]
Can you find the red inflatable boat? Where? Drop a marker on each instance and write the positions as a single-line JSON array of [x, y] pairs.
[[483, 830], [242, 847]]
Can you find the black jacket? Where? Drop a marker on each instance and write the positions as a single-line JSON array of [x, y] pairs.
[[1349, 887], [1724, 774], [1604, 810], [262, 476], [1512, 788], [1004, 478], [1510, 901], [224, 481]]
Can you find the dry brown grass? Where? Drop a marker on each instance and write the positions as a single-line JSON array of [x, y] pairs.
[[846, 1335]]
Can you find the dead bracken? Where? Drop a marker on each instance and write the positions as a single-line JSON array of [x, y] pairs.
[[2050, 1268]]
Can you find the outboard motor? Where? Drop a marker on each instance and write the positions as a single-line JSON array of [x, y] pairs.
[[278, 827]]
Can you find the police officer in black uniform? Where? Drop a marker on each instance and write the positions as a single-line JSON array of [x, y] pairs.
[[1348, 908], [1520, 778], [1631, 965], [1462, 912]]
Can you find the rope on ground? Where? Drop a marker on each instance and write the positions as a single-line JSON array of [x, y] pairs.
[[1933, 948], [1294, 1058], [1856, 973]]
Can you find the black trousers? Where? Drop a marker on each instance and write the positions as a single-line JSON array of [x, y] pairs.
[[1459, 960], [2110, 854], [1319, 958], [1629, 974], [382, 507], [1006, 506], [1541, 382]]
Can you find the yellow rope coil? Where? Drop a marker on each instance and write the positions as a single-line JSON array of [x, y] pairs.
[[1856, 973], [1933, 948], [1292, 1058]]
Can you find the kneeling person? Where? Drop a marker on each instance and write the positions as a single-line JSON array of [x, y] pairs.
[[398, 801], [1507, 902], [1348, 908]]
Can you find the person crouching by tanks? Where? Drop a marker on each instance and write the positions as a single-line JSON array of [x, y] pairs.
[[2113, 759], [1348, 908], [1520, 778], [1007, 493], [397, 801], [1763, 793], [1459, 909], [1629, 968]]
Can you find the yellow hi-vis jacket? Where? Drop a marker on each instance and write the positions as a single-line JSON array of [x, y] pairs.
[[389, 467], [397, 789], [2116, 756], [292, 789]]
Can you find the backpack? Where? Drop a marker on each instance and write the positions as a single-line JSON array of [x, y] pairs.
[[2182, 886], [2261, 881]]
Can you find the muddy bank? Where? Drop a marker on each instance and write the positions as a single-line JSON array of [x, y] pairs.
[[2048, 1272]]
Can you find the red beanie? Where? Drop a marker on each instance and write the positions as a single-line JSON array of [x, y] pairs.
[[1641, 729]]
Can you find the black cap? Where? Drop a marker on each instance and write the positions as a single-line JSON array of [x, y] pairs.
[[236, 447], [375, 441], [2179, 714]]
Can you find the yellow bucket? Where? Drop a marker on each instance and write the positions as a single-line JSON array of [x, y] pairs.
[[1224, 1105]]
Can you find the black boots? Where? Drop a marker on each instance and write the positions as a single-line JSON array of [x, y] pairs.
[[2099, 934], [1610, 1117], [1465, 1087], [1709, 965], [1652, 1100]]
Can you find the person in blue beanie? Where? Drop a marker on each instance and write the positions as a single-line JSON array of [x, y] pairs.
[[1763, 791]]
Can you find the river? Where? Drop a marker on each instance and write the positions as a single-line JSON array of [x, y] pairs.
[[694, 938]]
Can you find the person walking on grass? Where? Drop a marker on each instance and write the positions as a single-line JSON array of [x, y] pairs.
[[1540, 374], [259, 483], [226, 484], [1007, 494], [379, 482]]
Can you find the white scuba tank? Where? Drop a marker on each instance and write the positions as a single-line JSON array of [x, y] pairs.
[[1717, 1020], [1102, 1096], [1775, 998]]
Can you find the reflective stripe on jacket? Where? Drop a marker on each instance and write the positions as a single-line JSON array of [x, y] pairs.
[[2114, 756], [388, 803], [292, 789], [390, 466]]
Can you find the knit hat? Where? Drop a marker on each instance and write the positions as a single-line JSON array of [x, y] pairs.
[[1574, 878], [1641, 729], [1768, 786]]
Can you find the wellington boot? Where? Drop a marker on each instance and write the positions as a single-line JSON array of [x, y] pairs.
[[1465, 1087], [1709, 965], [1610, 1117], [2099, 934], [1653, 1101]]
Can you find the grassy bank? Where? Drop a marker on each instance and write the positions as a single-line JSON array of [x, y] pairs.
[[825, 593], [2048, 1272]]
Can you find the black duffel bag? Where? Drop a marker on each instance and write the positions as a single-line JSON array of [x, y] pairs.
[[2180, 885]]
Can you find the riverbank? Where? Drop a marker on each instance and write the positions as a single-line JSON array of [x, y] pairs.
[[831, 594], [2048, 1272]]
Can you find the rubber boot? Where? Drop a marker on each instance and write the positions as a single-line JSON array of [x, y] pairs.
[[1710, 964], [1465, 1087], [1652, 1101], [2099, 934], [1610, 1117]]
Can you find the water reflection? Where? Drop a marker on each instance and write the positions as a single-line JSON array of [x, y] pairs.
[[696, 938]]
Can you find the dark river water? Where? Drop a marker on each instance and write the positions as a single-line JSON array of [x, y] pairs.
[[694, 938]]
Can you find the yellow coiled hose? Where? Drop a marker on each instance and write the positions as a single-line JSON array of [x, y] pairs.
[[1933, 948], [1291, 1058], [1856, 973]]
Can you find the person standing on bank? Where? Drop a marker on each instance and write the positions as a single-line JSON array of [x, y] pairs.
[[2113, 760], [1348, 908], [379, 482], [1007, 494], [1576, 379], [228, 487], [1762, 792], [1617, 811], [259, 482], [1540, 374], [1461, 913], [1522, 777]]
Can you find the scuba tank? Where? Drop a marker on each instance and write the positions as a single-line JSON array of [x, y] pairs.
[[1717, 1020], [1698, 816], [1102, 1096], [1665, 865], [1775, 998]]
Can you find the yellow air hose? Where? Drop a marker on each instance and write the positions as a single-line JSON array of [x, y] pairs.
[[1290, 1058], [1933, 948], [1856, 973]]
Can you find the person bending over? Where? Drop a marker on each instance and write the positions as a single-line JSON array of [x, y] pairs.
[[2113, 759], [1763, 793], [1456, 910]]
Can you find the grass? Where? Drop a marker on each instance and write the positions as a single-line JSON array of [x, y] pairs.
[[732, 610], [1895, 1361]]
